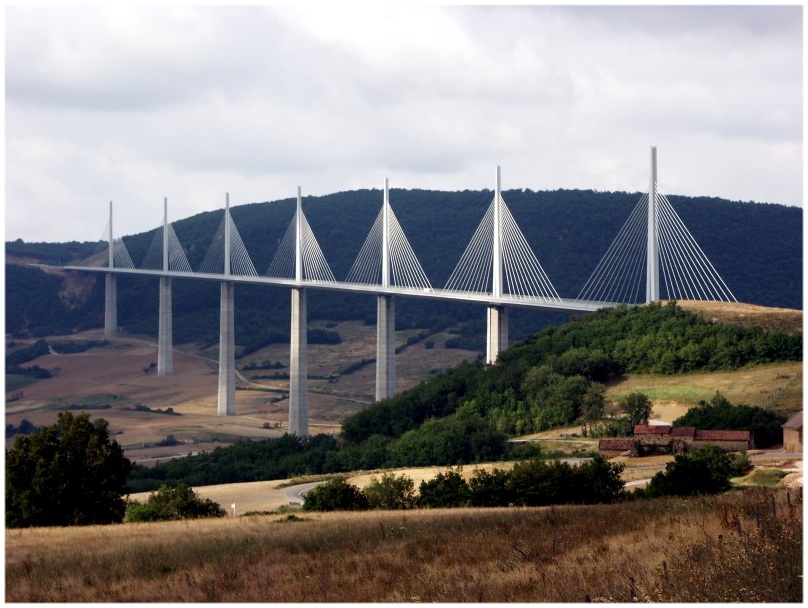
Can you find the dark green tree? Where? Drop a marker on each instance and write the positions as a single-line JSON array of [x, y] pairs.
[[598, 481], [335, 495], [637, 407], [706, 470], [490, 488], [539, 482], [167, 503], [67, 473], [447, 489]]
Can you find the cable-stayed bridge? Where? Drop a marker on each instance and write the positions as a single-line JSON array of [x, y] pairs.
[[653, 252]]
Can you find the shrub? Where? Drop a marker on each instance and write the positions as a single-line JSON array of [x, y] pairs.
[[167, 503], [490, 489], [335, 495], [705, 470], [390, 492], [448, 489]]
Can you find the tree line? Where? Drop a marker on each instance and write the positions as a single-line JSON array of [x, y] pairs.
[[532, 483]]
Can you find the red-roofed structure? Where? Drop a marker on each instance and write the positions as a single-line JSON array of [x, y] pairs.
[[666, 439]]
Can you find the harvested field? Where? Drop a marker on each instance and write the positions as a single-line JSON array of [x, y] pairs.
[[768, 318], [665, 550]]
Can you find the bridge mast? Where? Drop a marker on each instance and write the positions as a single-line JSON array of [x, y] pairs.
[[652, 255], [227, 346], [165, 360], [385, 315], [110, 288], [497, 317], [298, 347]]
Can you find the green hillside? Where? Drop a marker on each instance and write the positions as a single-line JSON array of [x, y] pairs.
[[465, 414], [757, 248]]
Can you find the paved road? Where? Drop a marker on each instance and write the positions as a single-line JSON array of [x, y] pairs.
[[295, 493]]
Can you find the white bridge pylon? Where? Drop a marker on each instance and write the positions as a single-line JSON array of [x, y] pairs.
[[386, 257], [227, 254], [299, 255], [165, 251], [498, 259], [654, 244]]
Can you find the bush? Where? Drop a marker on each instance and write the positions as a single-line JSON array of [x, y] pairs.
[[538, 482], [705, 470], [335, 495], [167, 503], [390, 492], [490, 489], [448, 489]]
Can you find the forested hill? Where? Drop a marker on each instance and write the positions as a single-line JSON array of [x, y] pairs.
[[757, 249], [464, 414]]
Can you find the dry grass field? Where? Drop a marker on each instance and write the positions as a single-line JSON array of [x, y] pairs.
[[777, 386], [115, 375], [739, 547], [769, 318]]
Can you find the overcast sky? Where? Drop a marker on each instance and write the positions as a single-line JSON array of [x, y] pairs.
[[133, 104]]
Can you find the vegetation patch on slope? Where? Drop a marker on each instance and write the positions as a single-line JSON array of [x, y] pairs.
[[465, 414]]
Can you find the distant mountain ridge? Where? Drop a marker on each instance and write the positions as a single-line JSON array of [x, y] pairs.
[[756, 247]]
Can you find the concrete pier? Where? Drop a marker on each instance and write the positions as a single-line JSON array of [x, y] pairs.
[[111, 306], [497, 335], [298, 367], [652, 253], [385, 347], [227, 352], [165, 358]]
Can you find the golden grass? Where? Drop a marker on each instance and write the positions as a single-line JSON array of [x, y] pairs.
[[768, 318], [556, 554], [777, 386]]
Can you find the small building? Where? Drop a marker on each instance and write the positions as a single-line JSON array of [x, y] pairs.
[[792, 434], [658, 439], [731, 441], [617, 447]]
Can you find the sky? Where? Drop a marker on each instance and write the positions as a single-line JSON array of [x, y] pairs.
[[136, 103]]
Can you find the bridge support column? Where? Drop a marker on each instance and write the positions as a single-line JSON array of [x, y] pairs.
[[385, 347], [652, 254], [227, 352], [298, 367], [110, 306], [165, 358], [497, 332]]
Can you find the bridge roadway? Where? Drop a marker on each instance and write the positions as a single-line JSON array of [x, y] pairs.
[[569, 305]]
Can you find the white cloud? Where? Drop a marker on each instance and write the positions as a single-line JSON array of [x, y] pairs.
[[136, 103]]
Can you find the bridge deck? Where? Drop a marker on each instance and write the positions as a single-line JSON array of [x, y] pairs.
[[560, 304]]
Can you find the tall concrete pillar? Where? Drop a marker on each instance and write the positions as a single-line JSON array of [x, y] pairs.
[[652, 255], [110, 306], [497, 336], [165, 358], [385, 347], [227, 352], [298, 367]]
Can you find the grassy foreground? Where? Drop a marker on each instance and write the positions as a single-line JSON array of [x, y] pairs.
[[743, 546]]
